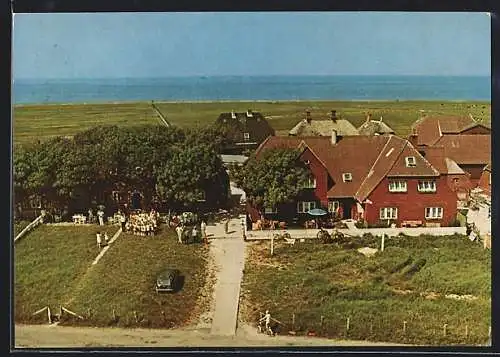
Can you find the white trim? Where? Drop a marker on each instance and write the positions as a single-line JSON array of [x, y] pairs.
[[398, 186], [410, 161], [388, 213], [333, 206], [433, 212], [426, 186], [347, 177], [301, 206]]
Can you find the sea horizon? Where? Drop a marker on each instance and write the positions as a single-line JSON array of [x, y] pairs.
[[224, 88]]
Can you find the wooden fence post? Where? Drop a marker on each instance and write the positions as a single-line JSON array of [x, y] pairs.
[[383, 242], [48, 315], [135, 317], [293, 321], [444, 329], [404, 327], [466, 331], [60, 311], [272, 245], [88, 313], [347, 324], [489, 333], [321, 323], [114, 315]]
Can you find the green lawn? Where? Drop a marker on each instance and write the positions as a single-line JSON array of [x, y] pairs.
[[313, 280], [124, 280], [52, 267], [43, 121], [48, 263]]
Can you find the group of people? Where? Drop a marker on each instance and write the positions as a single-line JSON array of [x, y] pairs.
[[102, 239], [142, 224], [97, 218], [181, 230]]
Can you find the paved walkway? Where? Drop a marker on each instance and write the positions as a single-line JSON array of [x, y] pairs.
[[228, 250], [229, 254]]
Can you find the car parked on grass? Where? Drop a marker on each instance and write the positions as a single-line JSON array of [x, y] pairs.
[[167, 281]]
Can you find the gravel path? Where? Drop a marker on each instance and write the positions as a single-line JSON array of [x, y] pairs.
[[50, 336]]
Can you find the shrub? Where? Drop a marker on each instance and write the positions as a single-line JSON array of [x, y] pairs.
[[401, 265], [415, 268]]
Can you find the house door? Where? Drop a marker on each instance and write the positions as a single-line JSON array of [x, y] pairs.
[[136, 200], [347, 208]]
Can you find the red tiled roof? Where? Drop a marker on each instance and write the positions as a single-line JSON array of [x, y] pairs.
[[392, 162], [467, 149], [367, 158], [430, 129]]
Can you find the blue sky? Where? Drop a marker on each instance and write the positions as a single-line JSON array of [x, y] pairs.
[[115, 45]]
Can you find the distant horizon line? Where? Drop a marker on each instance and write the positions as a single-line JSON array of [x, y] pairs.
[[253, 75]]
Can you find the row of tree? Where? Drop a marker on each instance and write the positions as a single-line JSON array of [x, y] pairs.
[[177, 166]]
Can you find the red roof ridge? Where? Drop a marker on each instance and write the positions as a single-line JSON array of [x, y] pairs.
[[371, 171]]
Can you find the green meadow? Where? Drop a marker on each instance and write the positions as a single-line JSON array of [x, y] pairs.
[[40, 122]]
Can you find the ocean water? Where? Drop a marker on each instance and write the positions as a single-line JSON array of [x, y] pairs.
[[252, 88]]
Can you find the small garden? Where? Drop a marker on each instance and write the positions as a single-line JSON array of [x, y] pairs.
[[420, 290]]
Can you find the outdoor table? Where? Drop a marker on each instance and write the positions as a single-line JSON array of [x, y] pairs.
[[79, 219]]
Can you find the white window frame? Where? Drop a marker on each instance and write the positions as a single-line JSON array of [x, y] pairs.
[[347, 177], [398, 186], [433, 212], [388, 213], [311, 182], [302, 204], [246, 136], [333, 206], [410, 161], [270, 210], [426, 186]]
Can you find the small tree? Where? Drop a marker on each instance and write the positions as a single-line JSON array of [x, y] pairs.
[[275, 178]]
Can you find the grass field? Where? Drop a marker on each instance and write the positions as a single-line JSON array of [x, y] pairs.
[[39, 122], [312, 280], [48, 263], [123, 279]]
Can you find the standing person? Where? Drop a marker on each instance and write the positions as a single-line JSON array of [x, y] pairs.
[[226, 226], [267, 319], [99, 240], [91, 215], [123, 221], [100, 215], [204, 231], [178, 229], [194, 234], [106, 238]]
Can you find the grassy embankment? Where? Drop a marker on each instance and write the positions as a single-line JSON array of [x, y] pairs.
[[312, 280], [39, 122], [53, 268]]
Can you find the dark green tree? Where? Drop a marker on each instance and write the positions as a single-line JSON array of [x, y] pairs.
[[274, 178]]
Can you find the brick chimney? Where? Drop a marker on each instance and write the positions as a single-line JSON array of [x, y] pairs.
[[413, 138], [333, 115], [308, 116], [334, 138]]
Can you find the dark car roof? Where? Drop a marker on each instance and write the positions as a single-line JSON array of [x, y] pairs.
[[168, 274]]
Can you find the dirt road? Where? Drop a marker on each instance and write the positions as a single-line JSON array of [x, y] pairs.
[[46, 336]]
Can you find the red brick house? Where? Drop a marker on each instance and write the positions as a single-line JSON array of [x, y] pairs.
[[465, 141], [381, 179]]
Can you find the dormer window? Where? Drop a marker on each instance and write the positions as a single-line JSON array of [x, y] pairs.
[[347, 177], [246, 136], [307, 162], [410, 161]]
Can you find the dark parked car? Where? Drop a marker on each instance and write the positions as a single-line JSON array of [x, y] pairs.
[[167, 281]]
